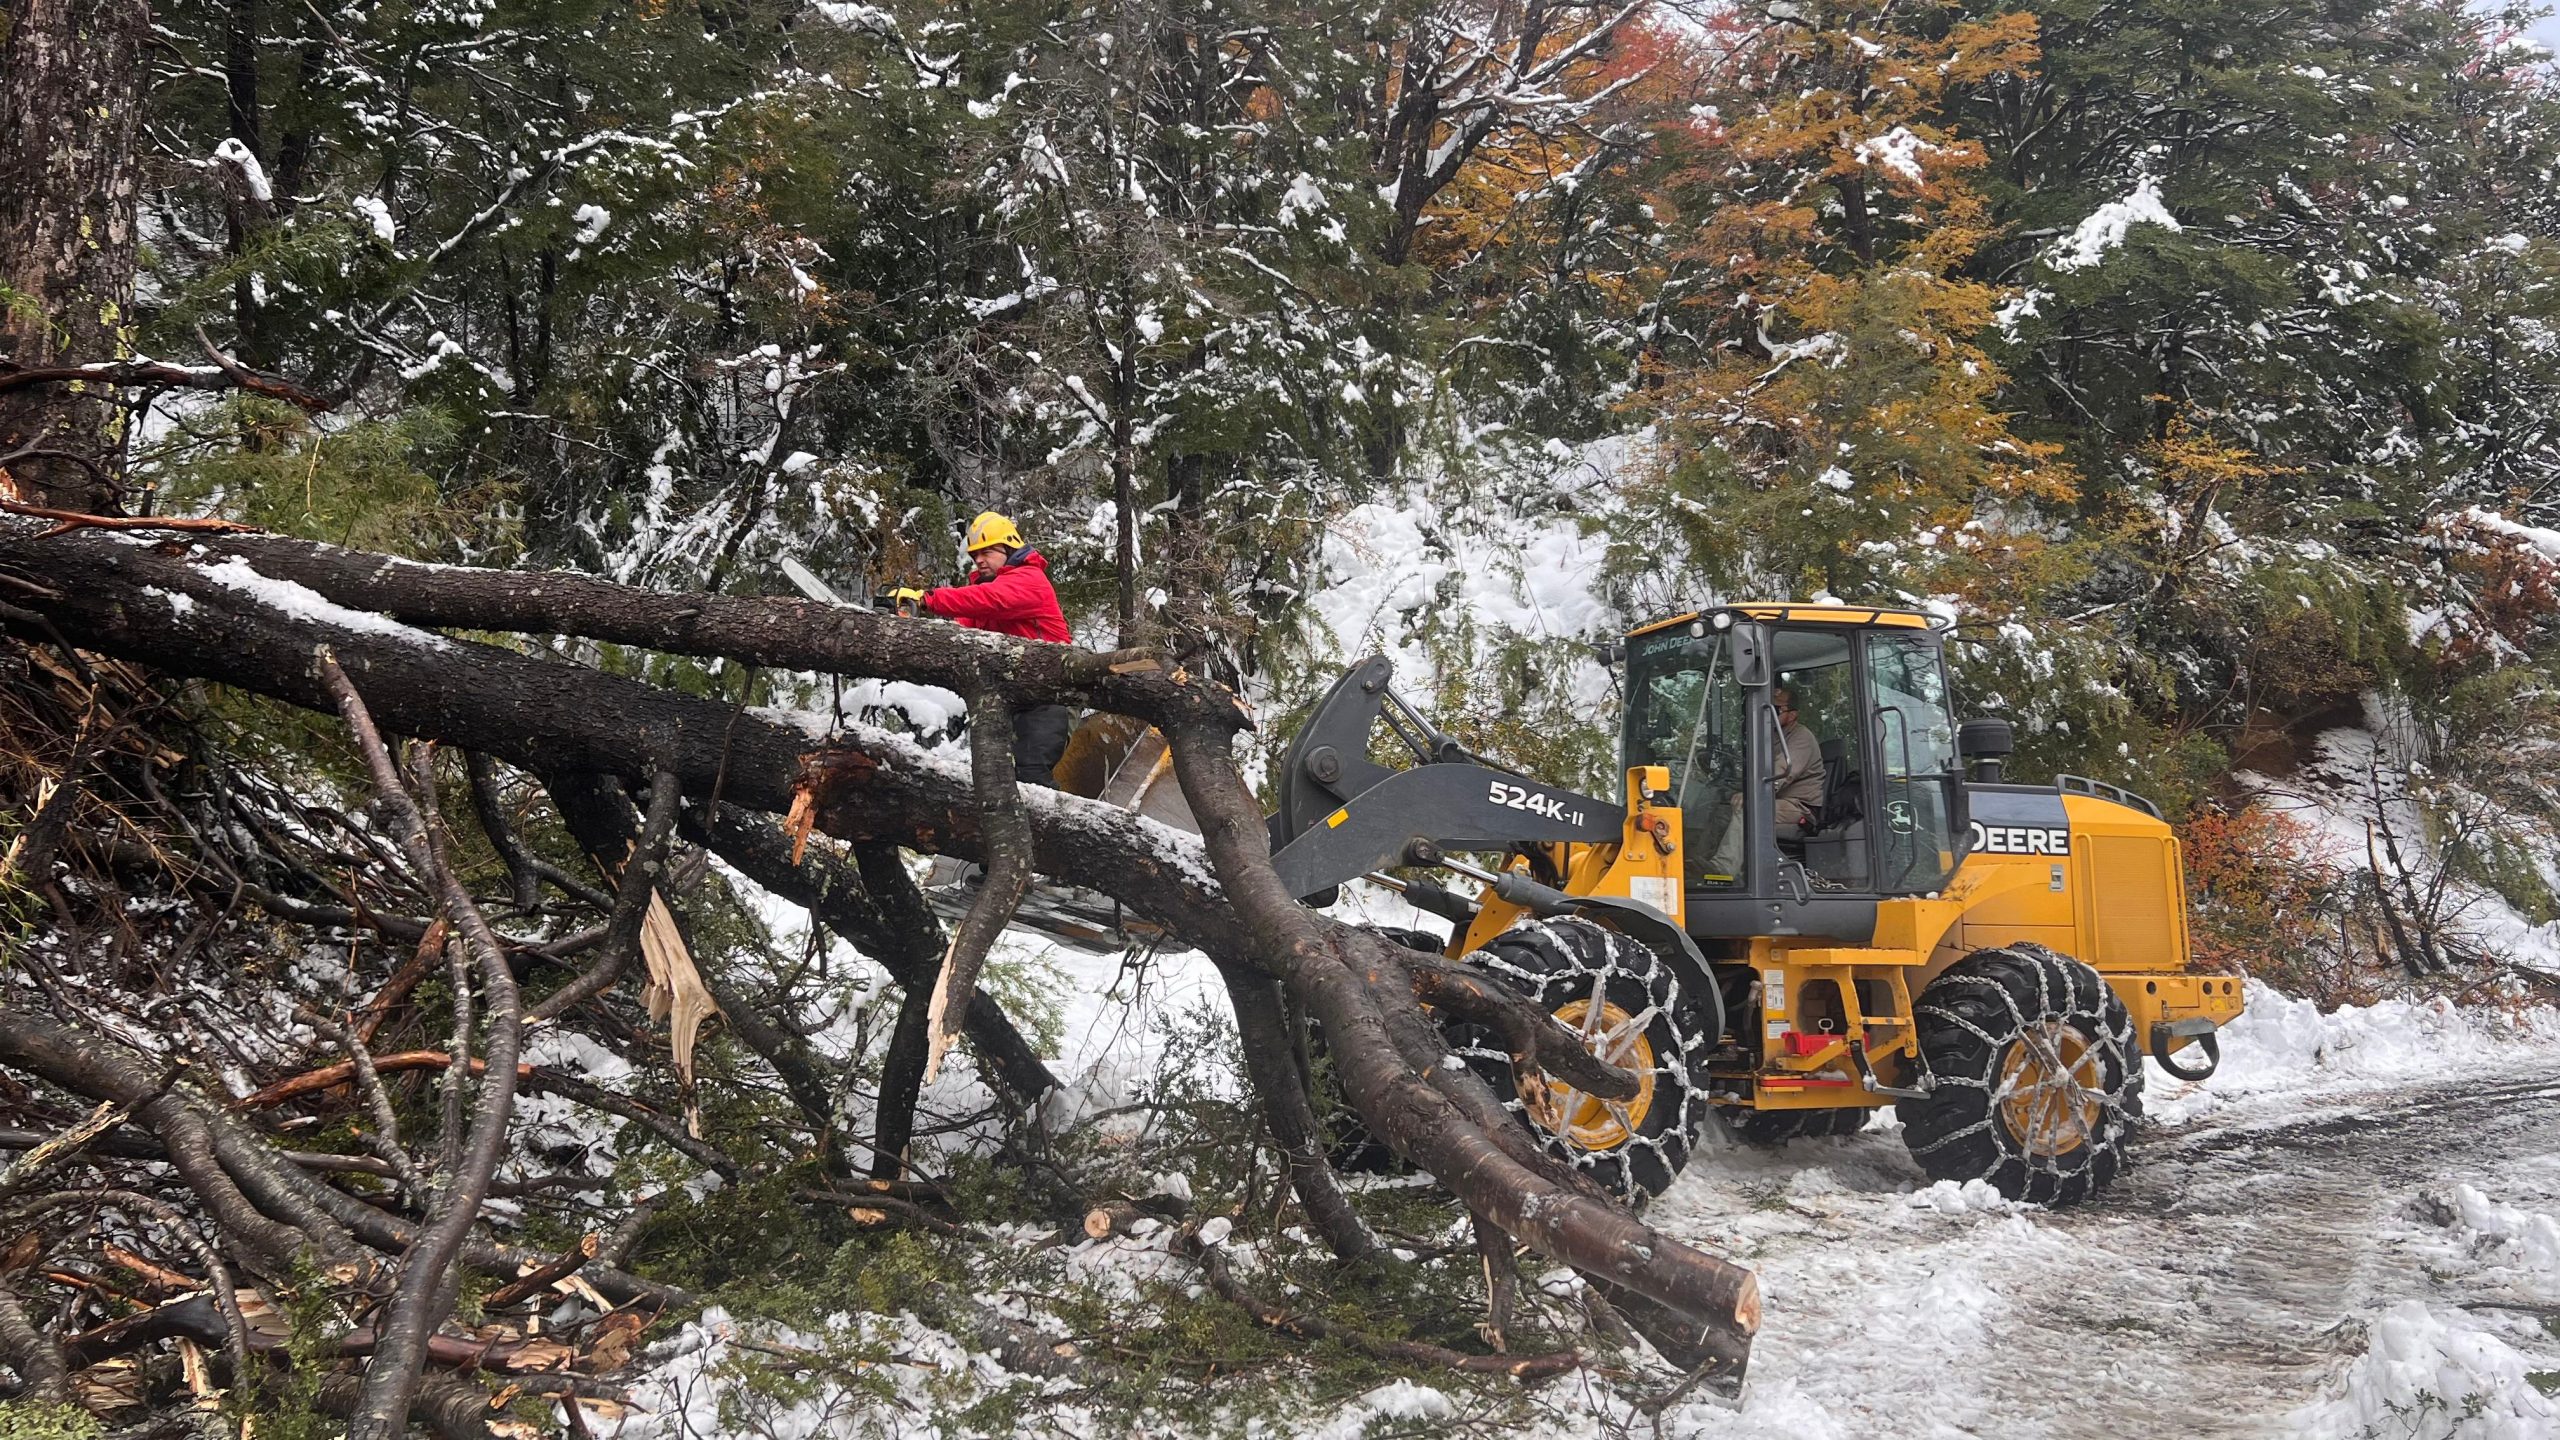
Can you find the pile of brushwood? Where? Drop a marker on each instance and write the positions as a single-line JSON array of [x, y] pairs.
[[302, 1061]]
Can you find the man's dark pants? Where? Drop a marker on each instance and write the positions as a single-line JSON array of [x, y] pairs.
[[1039, 742]]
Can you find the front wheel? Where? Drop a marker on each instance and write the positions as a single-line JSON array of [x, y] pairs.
[[1632, 1011], [2036, 1076]]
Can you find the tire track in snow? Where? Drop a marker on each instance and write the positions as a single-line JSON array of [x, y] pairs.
[[2230, 1273], [2219, 1286]]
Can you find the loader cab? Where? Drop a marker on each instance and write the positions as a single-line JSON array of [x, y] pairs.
[[1812, 752]]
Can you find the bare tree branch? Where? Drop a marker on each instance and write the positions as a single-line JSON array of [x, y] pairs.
[[38, 1361], [417, 1306], [637, 882]]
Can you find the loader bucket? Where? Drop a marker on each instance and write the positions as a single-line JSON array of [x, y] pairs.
[[1121, 762], [1124, 762]]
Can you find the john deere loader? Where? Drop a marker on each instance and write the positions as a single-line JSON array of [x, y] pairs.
[[1901, 927]]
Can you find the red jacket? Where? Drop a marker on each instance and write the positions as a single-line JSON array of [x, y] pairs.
[[1016, 600]]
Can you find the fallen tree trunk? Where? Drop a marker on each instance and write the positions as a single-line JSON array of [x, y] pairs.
[[225, 610], [785, 633]]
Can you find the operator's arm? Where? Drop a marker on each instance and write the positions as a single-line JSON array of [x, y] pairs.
[[1014, 595]]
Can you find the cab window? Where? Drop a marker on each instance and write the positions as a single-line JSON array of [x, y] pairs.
[[1684, 712], [1916, 763]]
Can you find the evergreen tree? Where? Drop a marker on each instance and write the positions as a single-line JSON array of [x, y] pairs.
[[1831, 418]]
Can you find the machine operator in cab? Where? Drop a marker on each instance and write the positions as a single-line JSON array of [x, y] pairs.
[[1799, 763]]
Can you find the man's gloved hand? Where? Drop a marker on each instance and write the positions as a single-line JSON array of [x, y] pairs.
[[906, 600]]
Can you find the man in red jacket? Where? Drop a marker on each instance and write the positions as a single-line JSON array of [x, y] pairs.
[[1008, 592]]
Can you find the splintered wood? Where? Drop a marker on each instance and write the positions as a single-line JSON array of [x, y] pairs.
[[675, 993]]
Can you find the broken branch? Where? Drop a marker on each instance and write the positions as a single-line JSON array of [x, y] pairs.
[[1006, 827]]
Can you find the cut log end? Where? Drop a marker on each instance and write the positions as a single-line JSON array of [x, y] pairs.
[[1119, 1217]]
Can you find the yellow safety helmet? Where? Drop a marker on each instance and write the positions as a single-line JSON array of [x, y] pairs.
[[991, 528]]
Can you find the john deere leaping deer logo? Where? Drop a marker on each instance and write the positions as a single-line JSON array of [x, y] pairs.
[[1897, 816]]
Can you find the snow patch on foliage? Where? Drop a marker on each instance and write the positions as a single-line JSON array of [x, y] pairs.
[[2106, 227], [1897, 152], [858, 17], [2545, 542], [377, 216], [253, 176], [2019, 307]]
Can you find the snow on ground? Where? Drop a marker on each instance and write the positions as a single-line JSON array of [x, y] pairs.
[[2280, 1043], [2297, 1252], [2292, 1255], [2354, 781]]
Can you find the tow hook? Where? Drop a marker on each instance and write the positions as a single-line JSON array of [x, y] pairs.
[[2198, 1028], [1867, 1077]]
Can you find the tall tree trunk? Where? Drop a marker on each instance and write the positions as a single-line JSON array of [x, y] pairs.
[[70, 97], [240, 77]]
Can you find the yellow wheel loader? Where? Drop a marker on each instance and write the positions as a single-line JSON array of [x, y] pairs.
[[1817, 897]]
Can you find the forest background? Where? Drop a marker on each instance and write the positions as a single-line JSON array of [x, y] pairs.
[[2196, 358]]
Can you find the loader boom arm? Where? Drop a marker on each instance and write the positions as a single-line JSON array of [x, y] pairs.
[[1342, 814]]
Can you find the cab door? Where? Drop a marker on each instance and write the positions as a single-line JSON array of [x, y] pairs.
[[1915, 779]]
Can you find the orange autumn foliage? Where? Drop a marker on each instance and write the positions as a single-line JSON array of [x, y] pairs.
[[2264, 902], [1491, 210], [1826, 213]]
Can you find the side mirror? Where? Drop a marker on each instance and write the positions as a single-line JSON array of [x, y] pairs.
[[1750, 654]]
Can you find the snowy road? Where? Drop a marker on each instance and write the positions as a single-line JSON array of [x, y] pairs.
[[2242, 1259], [2352, 1232], [2297, 1265]]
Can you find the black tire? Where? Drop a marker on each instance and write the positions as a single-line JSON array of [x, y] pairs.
[[1772, 1128], [2037, 1076], [1349, 1147], [1557, 965]]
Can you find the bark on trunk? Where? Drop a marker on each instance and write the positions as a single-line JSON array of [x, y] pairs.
[[1006, 824], [70, 103]]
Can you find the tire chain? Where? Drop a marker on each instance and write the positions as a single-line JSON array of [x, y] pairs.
[[1969, 1017], [1554, 962]]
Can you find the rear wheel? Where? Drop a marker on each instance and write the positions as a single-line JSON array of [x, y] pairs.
[[2037, 1077], [1630, 1009]]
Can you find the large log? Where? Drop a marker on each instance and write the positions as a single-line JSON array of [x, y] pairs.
[[788, 633]]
